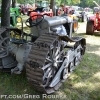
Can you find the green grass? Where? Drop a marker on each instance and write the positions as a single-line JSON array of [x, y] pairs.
[[82, 84]]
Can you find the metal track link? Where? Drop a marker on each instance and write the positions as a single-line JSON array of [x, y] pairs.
[[37, 67], [36, 61]]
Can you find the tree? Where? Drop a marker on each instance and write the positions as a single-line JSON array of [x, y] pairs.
[[13, 3], [5, 13], [20, 1], [26, 1], [68, 2], [52, 6], [88, 3]]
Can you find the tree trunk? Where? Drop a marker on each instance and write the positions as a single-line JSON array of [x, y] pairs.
[[5, 13], [52, 2], [53, 6], [13, 3]]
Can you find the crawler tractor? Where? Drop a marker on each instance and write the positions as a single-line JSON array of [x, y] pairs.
[[93, 23], [49, 53]]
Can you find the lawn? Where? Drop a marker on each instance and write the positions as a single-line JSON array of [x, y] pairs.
[[82, 84]]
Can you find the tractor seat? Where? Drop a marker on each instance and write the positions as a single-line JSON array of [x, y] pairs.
[[18, 41]]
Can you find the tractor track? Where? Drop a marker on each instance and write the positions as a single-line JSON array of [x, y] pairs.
[[35, 70], [36, 60]]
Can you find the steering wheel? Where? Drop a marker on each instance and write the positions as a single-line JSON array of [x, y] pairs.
[[38, 19]]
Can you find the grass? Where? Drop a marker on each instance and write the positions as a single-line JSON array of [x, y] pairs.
[[83, 83]]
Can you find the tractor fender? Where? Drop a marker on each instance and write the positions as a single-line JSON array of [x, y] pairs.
[[93, 18]]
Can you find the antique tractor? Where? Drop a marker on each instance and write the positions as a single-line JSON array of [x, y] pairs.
[[24, 9], [75, 11], [41, 6], [14, 13], [69, 11], [93, 23], [95, 10], [49, 53], [80, 13], [17, 11]]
